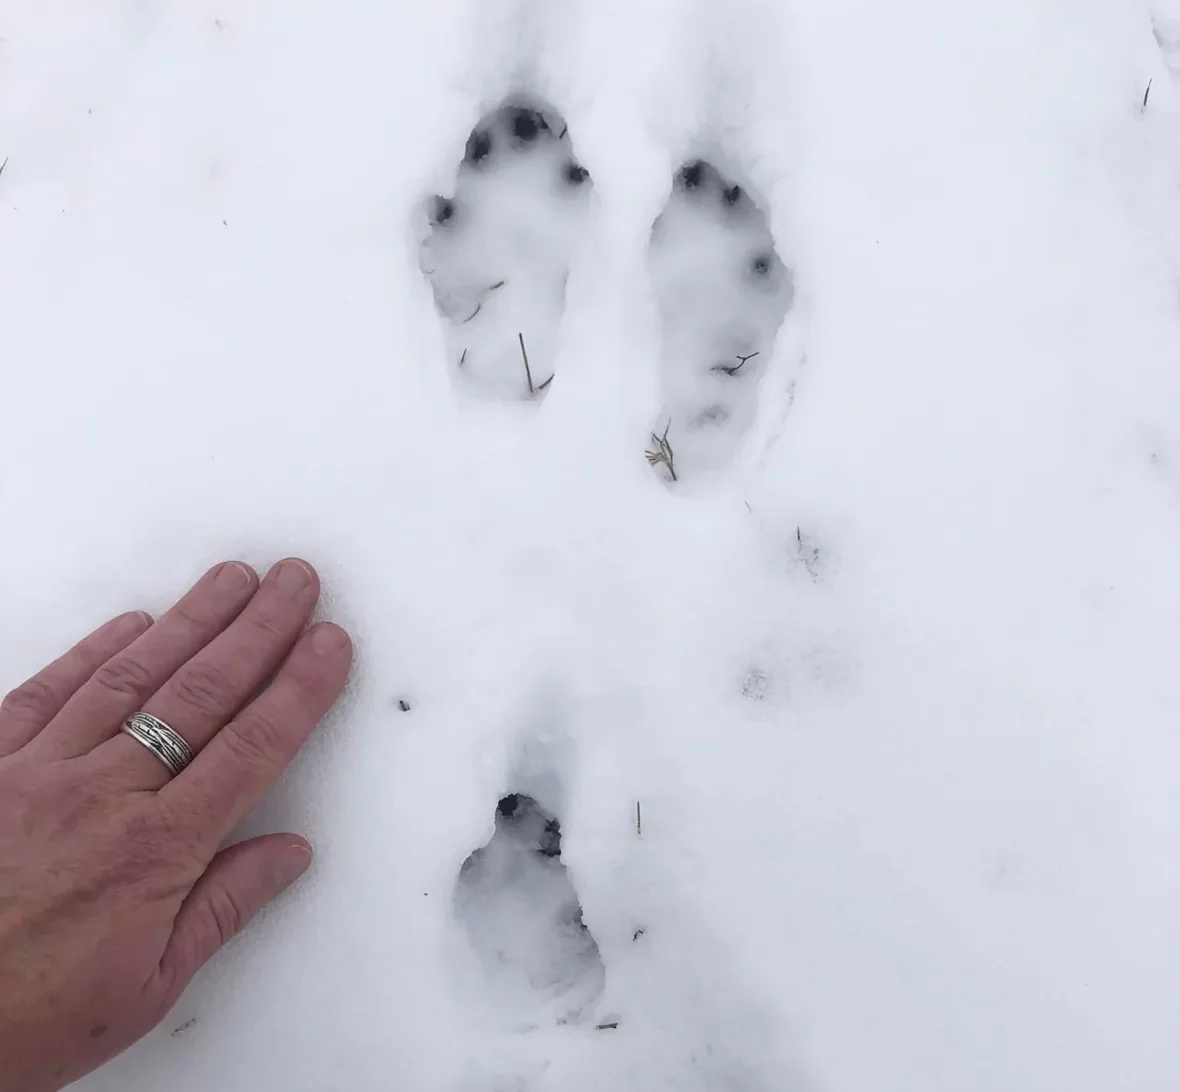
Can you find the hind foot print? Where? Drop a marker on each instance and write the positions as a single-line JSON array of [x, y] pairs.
[[722, 292], [498, 250], [518, 906]]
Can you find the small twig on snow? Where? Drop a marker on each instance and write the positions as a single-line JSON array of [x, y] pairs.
[[638, 819], [737, 367], [1146, 95], [3, 165]]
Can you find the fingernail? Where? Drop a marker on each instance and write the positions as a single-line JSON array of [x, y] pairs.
[[292, 576], [327, 638], [231, 578], [134, 622], [291, 865]]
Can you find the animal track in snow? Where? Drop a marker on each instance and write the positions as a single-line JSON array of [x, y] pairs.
[[722, 291], [521, 913], [497, 255]]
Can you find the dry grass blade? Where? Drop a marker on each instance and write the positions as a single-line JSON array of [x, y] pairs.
[[662, 452], [479, 306], [528, 373]]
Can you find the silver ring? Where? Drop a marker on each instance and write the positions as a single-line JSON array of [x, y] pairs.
[[168, 745]]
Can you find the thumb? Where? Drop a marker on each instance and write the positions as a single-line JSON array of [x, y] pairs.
[[238, 883]]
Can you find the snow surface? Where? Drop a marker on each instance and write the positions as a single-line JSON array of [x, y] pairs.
[[894, 685]]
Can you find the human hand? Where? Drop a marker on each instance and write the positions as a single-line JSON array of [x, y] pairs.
[[112, 889]]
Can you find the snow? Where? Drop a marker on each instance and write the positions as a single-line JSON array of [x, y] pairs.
[[892, 680]]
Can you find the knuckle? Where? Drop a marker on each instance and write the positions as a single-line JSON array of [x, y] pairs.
[[254, 740], [228, 915], [193, 611], [33, 699], [125, 678], [270, 622], [205, 688], [306, 684]]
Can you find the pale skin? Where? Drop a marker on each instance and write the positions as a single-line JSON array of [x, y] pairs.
[[114, 890]]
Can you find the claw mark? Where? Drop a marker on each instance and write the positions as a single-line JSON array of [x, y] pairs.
[[692, 175], [524, 125], [479, 146]]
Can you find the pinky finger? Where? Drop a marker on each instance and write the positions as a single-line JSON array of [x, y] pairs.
[[33, 704]]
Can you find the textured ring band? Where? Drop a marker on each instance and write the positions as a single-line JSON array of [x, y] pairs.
[[168, 745]]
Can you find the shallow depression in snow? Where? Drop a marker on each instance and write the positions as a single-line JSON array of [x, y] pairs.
[[515, 899], [722, 292], [498, 252]]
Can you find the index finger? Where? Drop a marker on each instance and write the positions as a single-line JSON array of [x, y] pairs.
[[239, 764]]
